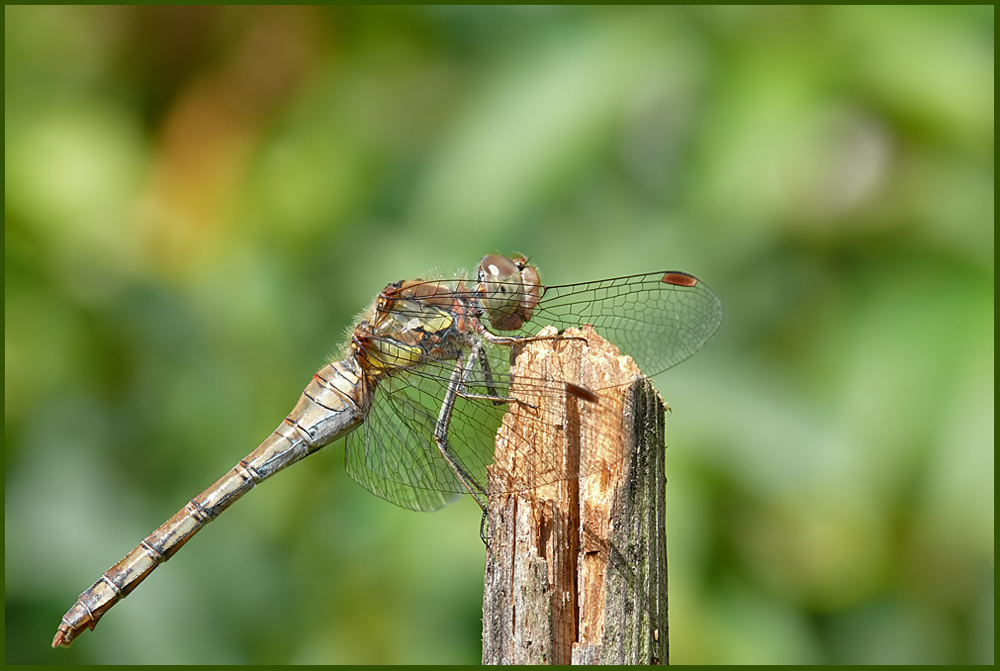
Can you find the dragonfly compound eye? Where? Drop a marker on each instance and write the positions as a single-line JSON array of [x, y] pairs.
[[508, 291]]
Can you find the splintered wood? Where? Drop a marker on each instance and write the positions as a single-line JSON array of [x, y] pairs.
[[563, 510]]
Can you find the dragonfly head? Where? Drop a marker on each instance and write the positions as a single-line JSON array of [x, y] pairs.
[[509, 289]]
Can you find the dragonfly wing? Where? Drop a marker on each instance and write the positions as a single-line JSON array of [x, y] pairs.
[[394, 455], [479, 410], [659, 319]]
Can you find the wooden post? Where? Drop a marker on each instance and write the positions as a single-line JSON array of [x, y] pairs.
[[576, 569]]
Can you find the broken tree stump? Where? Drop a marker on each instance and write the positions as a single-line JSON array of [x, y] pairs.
[[576, 569]]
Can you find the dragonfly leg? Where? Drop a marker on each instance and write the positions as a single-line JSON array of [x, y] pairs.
[[441, 431], [494, 395], [510, 341], [484, 364], [482, 527]]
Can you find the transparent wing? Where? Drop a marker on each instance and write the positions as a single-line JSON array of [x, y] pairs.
[[395, 456], [659, 319]]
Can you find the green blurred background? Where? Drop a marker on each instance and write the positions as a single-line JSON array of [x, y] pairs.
[[197, 200]]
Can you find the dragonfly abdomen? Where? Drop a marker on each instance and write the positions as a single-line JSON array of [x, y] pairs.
[[330, 406]]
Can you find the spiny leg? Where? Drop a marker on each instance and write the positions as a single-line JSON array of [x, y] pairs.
[[488, 381], [441, 431], [494, 395]]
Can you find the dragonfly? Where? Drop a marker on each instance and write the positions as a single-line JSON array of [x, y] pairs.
[[421, 386]]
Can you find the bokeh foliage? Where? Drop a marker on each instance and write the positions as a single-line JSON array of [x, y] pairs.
[[197, 200]]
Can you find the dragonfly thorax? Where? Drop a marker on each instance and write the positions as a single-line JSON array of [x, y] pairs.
[[413, 321]]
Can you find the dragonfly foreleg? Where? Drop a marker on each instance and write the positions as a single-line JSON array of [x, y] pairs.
[[494, 393], [441, 430]]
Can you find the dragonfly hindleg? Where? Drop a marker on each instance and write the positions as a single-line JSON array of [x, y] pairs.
[[441, 431]]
